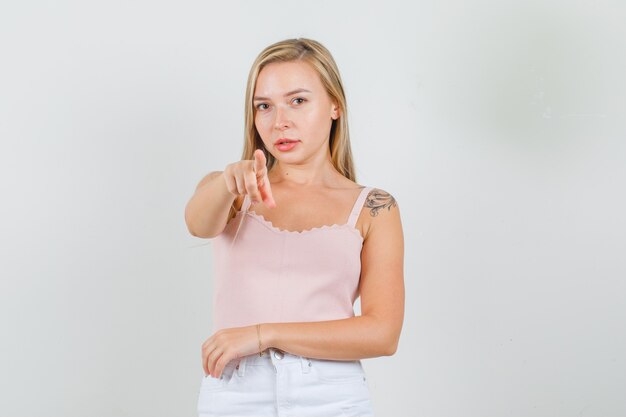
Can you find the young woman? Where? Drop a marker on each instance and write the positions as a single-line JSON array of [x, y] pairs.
[[296, 241]]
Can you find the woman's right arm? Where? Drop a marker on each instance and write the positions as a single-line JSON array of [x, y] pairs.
[[206, 213]]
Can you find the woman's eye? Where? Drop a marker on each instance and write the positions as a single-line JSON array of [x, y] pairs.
[[258, 106], [303, 100]]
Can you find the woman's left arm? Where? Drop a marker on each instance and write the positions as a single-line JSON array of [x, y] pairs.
[[376, 331]]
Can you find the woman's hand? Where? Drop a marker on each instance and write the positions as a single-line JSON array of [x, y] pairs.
[[226, 345], [250, 177]]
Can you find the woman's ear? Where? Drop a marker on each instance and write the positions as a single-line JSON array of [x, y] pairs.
[[335, 113]]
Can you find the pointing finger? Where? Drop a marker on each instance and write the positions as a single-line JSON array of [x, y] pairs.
[[259, 162], [263, 180]]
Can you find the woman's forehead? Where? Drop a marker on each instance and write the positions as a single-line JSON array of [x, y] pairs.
[[280, 78]]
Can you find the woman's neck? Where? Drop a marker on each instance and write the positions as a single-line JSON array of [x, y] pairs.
[[303, 175]]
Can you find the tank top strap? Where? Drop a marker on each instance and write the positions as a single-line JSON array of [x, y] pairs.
[[358, 205], [246, 203]]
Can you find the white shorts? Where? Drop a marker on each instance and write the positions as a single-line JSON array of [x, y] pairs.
[[279, 384]]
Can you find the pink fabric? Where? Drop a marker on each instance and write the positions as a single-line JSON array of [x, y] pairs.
[[268, 275]]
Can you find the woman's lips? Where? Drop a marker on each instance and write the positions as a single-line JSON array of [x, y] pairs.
[[286, 146]]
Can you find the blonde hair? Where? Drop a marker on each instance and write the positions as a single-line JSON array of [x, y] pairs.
[[320, 59]]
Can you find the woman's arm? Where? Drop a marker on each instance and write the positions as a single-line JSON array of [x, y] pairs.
[[209, 209], [376, 331], [206, 213]]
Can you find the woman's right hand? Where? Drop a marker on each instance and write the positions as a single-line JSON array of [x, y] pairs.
[[250, 177]]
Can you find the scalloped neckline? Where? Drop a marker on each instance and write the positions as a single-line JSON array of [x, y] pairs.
[[273, 228]]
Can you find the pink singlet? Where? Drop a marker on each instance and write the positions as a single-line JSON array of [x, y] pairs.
[[269, 275]]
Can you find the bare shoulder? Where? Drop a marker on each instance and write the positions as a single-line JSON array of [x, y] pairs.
[[384, 214], [380, 201]]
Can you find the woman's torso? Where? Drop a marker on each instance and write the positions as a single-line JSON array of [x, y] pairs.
[[297, 262]]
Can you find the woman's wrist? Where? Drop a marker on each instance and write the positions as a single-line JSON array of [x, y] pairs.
[[266, 335]]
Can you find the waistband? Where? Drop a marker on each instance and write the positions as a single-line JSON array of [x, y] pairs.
[[271, 356], [276, 358]]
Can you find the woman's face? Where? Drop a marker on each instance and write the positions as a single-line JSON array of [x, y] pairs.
[[291, 103]]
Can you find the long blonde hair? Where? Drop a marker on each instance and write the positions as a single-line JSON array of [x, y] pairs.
[[320, 59]]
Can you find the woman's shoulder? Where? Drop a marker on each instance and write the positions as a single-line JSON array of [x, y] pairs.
[[378, 199], [374, 197], [382, 213], [374, 192]]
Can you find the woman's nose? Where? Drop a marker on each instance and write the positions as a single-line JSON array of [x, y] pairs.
[[282, 120]]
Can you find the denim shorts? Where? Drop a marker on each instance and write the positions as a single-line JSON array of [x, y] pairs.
[[280, 384]]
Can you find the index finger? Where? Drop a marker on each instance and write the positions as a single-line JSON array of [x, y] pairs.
[[263, 182], [259, 161]]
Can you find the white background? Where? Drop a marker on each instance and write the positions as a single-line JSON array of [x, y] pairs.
[[498, 127]]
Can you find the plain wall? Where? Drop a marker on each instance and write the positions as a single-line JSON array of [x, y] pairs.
[[498, 127]]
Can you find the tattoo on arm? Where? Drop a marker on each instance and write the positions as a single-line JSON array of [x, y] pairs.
[[377, 200]]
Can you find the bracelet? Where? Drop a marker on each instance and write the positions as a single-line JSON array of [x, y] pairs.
[[258, 332]]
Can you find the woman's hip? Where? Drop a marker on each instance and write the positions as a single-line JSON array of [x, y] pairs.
[[295, 385]]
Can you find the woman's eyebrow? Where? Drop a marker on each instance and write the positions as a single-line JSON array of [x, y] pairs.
[[299, 90]]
